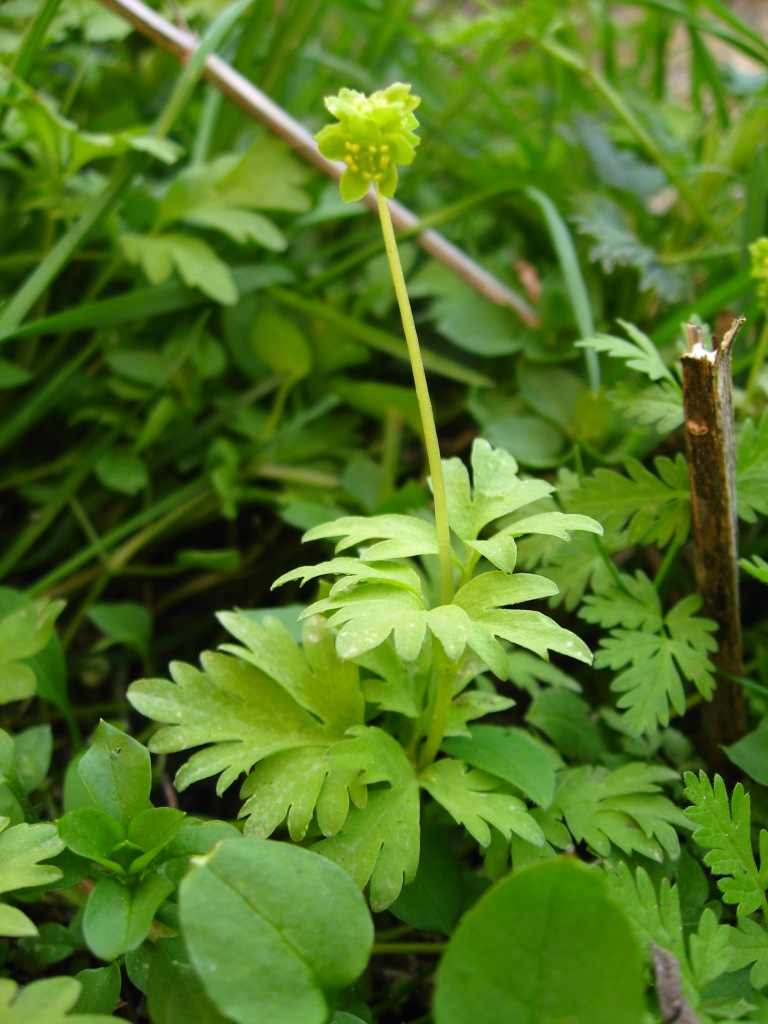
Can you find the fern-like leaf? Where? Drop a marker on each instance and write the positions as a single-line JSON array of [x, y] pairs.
[[623, 808], [657, 655], [639, 353], [652, 508], [752, 470], [723, 828], [468, 796]]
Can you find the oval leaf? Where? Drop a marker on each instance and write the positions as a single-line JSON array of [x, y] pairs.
[[273, 931], [546, 944]]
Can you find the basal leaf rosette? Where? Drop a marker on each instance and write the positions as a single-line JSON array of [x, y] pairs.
[[374, 133]]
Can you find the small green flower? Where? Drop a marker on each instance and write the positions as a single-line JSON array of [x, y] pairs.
[[374, 134], [759, 253]]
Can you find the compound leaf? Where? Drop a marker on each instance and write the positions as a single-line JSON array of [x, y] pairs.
[[621, 808], [639, 353], [379, 842], [652, 508], [659, 406], [483, 599], [658, 663], [634, 605], [723, 829], [752, 470], [467, 796], [496, 489]]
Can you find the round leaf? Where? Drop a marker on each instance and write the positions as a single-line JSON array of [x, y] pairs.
[[273, 931], [545, 945]]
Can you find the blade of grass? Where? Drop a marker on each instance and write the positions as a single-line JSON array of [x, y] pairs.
[[146, 303], [744, 38], [43, 398], [184, 497], [574, 280], [32, 40], [66, 490]]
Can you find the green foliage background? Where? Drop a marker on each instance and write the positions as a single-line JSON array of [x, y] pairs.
[[201, 359]]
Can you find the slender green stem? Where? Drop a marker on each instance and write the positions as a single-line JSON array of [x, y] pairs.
[[401, 948], [666, 564], [446, 677], [425, 405]]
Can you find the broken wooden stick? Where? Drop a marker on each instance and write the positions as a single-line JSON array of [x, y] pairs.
[[709, 439]]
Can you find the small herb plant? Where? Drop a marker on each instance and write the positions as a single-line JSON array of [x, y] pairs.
[[341, 735]]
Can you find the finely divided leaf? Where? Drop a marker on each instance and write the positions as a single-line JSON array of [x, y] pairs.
[[496, 489], [621, 808], [379, 843], [750, 946], [724, 830], [655, 666], [652, 509], [634, 604], [467, 796], [659, 405], [656, 917], [757, 567], [639, 353], [752, 470], [396, 536], [483, 599]]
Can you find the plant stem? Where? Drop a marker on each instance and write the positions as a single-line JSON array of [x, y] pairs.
[[425, 405], [416, 948], [446, 676]]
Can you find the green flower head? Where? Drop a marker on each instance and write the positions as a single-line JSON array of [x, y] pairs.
[[374, 134]]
